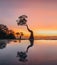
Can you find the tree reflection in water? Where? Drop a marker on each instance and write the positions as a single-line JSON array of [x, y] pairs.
[[3, 43], [23, 55]]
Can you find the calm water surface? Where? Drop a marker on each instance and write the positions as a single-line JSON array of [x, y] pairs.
[[25, 52]]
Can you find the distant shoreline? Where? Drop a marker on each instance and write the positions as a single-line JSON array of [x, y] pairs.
[[28, 39]]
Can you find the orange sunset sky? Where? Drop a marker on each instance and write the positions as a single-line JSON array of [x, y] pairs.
[[42, 15]]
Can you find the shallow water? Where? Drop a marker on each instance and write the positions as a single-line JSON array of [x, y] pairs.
[[25, 52]]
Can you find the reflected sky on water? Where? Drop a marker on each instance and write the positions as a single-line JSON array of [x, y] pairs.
[[27, 52]]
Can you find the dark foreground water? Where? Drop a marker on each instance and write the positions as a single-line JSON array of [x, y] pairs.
[[25, 52]]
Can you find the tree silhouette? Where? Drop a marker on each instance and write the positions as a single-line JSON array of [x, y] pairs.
[[31, 33], [11, 35], [5, 33], [3, 27], [22, 20], [17, 34], [21, 34]]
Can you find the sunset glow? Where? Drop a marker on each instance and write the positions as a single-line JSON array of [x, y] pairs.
[[42, 16]]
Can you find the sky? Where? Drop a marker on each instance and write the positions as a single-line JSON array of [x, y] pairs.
[[42, 15]]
